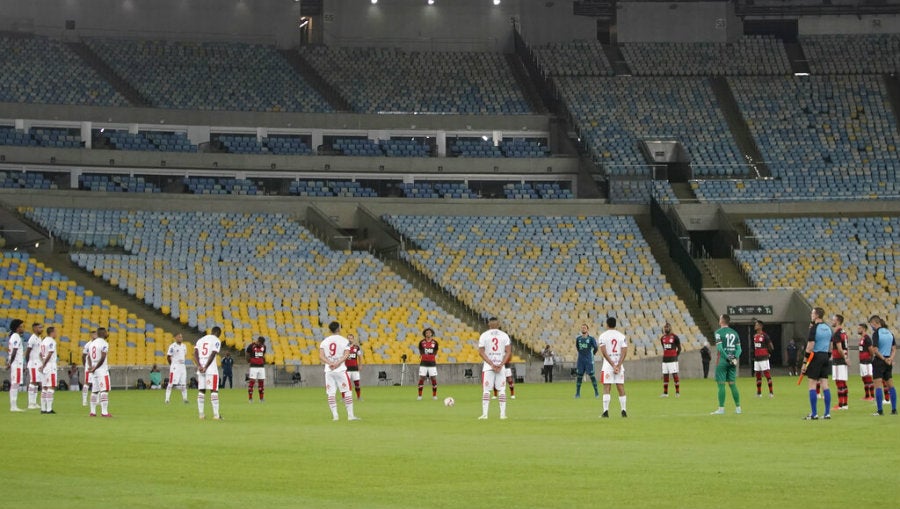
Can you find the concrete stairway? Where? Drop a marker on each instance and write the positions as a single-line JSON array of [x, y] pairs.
[[337, 101], [106, 72]]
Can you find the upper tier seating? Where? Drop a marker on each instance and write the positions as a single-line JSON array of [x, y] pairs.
[[852, 54], [209, 75], [116, 184], [614, 114], [40, 137], [748, 56], [844, 265], [391, 80], [345, 188], [35, 293], [40, 70], [574, 58], [520, 147], [259, 274], [25, 180], [824, 136], [544, 276], [209, 185]]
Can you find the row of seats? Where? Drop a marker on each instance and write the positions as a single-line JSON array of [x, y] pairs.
[[573, 58], [543, 276], [148, 141], [116, 184], [46, 71], [614, 114], [25, 180], [538, 190], [258, 274], [344, 188], [747, 56], [209, 75], [844, 265], [213, 185], [33, 292], [40, 137], [436, 190], [376, 80], [852, 54]]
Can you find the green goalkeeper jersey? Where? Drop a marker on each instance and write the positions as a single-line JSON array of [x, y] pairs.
[[728, 343]]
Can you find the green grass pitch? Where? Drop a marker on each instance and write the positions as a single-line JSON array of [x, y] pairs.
[[553, 451]]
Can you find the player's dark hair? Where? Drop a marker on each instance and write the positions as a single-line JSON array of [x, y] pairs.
[[876, 319], [611, 322], [759, 321], [216, 331], [261, 339], [101, 331], [35, 324], [726, 319], [492, 319], [820, 313], [14, 325], [864, 326], [333, 327], [840, 318], [50, 330], [426, 330]]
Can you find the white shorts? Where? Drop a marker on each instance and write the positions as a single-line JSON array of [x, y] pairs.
[[865, 369], [15, 374], [257, 373], [336, 381], [607, 376], [761, 365], [839, 372], [48, 379], [35, 375], [428, 371], [354, 376], [670, 368], [493, 380], [208, 380], [507, 372], [100, 381], [177, 375]]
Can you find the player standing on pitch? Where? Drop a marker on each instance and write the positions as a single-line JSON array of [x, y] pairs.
[[840, 361], [352, 364], [333, 351], [175, 356], [586, 346], [671, 346], [495, 349], [33, 366], [883, 350], [865, 362], [762, 348], [85, 362], [256, 353], [205, 352], [614, 349], [817, 368], [100, 383], [428, 348], [728, 353], [14, 362], [48, 370]]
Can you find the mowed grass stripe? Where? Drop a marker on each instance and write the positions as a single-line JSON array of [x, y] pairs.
[[553, 451]]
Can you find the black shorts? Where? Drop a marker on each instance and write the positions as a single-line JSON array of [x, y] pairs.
[[881, 369], [819, 367]]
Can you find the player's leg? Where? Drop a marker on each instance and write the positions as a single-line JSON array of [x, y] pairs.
[[826, 392], [86, 388], [511, 383], [15, 379], [623, 399], [331, 393], [720, 375], [251, 383], [758, 382], [580, 368], [594, 381], [95, 396], [607, 386], [422, 372], [500, 387], [356, 386], [33, 384], [169, 385], [888, 380], [348, 397], [665, 378], [433, 382], [487, 385], [261, 384], [49, 388], [183, 384], [677, 383], [201, 394], [212, 383], [768, 374], [104, 384]]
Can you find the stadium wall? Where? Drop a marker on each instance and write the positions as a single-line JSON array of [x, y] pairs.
[[851, 25], [677, 22]]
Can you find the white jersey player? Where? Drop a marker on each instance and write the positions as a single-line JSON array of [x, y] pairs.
[[495, 349], [85, 362], [614, 349], [177, 373], [33, 364], [98, 358], [14, 363], [333, 351], [205, 352], [48, 370]]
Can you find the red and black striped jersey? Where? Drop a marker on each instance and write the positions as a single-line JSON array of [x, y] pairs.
[[428, 349]]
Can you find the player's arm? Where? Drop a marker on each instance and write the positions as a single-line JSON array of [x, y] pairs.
[[200, 368], [737, 347], [594, 345], [12, 356], [605, 355], [624, 354], [46, 359], [210, 360], [677, 346], [169, 357], [99, 362], [323, 358], [28, 352], [507, 354], [890, 360]]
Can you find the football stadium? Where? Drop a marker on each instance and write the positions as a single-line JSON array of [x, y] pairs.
[[720, 178]]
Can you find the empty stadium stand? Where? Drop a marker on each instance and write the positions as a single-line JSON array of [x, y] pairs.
[[852, 54], [748, 56], [257, 274], [543, 276]]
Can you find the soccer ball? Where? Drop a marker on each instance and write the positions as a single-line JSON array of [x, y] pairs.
[[449, 401]]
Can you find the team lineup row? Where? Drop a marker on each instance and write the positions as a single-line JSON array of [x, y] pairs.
[[826, 348]]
